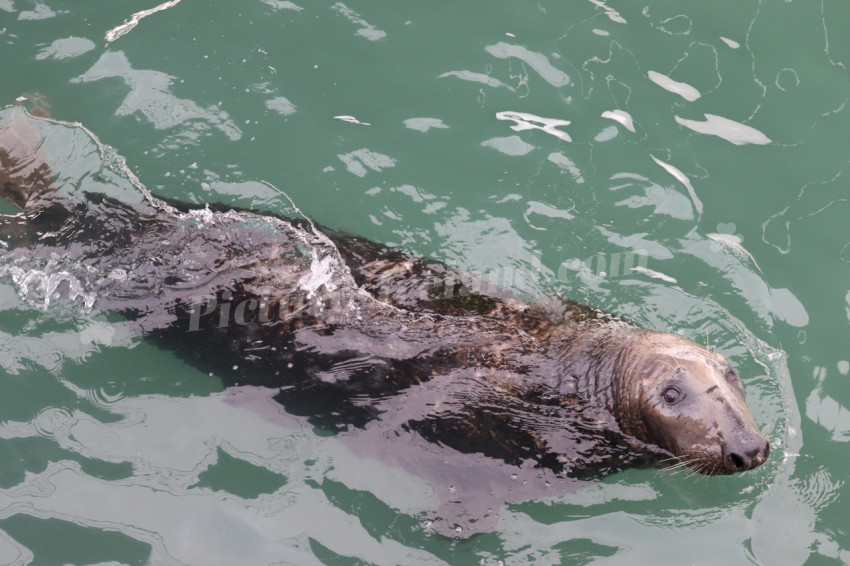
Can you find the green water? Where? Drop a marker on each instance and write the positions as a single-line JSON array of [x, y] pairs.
[[722, 178]]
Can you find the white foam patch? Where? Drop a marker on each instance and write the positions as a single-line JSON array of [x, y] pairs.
[[39, 12], [424, 124], [637, 242], [476, 78], [66, 48], [730, 130], [622, 117], [608, 133], [351, 120], [133, 21], [281, 105], [567, 165], [654, 274], [511, 145], [536, 61], [418, 195], [366, 30], [358, 161], [729, 240], [321, 275], [787, 307], [682, 178], [282, 5], [203, 216], [524, 121], [684, 90], [543, 209], [612, 14], [847, 306], [730, 42]]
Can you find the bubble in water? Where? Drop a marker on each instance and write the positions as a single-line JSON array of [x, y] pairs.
[[52, 422], [108, 394]]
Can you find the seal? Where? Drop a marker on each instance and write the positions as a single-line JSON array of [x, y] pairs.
[[356, 335]]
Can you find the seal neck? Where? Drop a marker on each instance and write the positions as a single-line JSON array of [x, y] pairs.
[[596, 354]]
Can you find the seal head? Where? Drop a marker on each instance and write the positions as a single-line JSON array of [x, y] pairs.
[[688, 401]]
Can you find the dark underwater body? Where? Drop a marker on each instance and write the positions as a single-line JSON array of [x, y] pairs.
[[365, 340], [339, 325]]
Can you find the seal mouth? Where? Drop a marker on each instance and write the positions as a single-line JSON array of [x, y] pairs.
[[718, 462], [695, 463]]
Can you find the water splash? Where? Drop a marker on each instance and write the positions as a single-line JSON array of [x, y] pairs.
[[39, 287]]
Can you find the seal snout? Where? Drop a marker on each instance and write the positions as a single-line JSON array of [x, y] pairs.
[[745, 455]]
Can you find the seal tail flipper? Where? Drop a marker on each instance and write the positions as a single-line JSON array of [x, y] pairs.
[[25, 178]]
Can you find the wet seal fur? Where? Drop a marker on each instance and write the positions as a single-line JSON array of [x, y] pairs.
[[357, 336]]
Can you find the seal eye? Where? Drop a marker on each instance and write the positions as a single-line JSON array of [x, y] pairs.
[[732, 377], [671, 395]]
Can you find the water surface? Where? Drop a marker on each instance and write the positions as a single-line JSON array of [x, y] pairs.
[[680, 164]]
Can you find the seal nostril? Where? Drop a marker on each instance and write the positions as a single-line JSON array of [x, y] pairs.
[[744, 459], [737, 461]]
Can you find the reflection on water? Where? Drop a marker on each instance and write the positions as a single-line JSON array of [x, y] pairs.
[[471, 490], [720, 119], [160, 504], [150, 95]]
